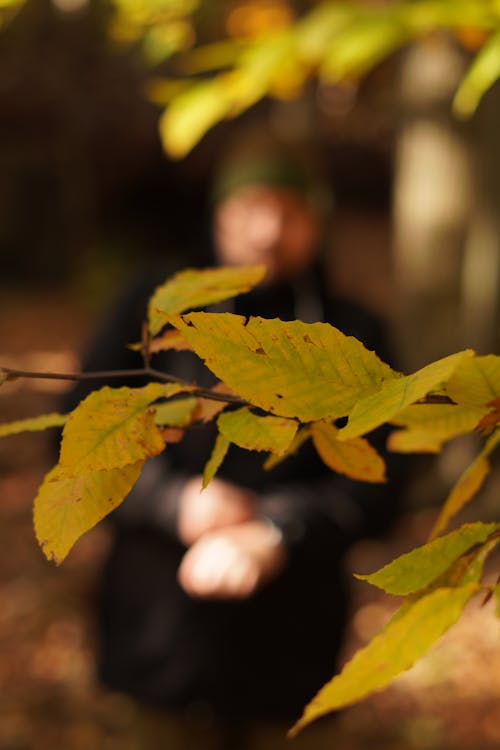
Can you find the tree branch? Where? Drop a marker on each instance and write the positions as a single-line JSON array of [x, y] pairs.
[[164, 377]]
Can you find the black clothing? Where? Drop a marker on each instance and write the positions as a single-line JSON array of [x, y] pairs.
[[268, 655]]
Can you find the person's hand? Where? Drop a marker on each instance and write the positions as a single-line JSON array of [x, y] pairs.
[[233, 563], [221, 504]]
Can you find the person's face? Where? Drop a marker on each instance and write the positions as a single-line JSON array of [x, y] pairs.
[[269, 225]]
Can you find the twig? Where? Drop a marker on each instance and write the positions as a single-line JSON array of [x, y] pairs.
[[164, 377]]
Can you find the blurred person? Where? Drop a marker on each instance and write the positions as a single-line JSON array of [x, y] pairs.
[[222, 612]]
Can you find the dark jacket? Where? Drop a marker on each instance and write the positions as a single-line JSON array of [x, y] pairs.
[[266, 656]]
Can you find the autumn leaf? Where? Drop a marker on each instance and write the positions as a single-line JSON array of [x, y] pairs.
[[374, 409], [220, 449], [302, 434], [419, 568], [176, 413], [169, 340], [428, 426], [194, 288], [491, 419], [68, 506], [306, 370], [113, 428], [355, 458], [208, 408], [33, 424], [476, 382], [259, 433], [404, 640], [467, 486]]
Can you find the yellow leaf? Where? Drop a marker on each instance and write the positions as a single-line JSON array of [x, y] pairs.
[[178, 413], [113, 428], [424, 565], [208, 408], [34, 424], [475, 382], [355, 458], [193, 288], [221, 447], [191, 114], [394, 396], [253, 432], [67, 506], [300, 438], [306, 370], [482, 74], [167, 341], [469, 483], [406, 638], [428, 426]]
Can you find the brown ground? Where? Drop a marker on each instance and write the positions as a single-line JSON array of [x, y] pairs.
[[48, 695]]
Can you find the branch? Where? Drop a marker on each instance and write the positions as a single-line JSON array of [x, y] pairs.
[[164, 377]]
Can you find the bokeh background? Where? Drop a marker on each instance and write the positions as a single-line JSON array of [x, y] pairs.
[[87, 194]]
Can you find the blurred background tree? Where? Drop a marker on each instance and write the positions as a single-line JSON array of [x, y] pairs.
[[93, 91]]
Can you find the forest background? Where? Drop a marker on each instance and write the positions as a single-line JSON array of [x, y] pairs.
[[87, 192]]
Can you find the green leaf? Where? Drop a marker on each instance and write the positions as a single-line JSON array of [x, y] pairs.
[[428, 426], [419, 568], [395, 395], [396, 648], [221, 447], [193, 288], [476, 382], [176, 413], [355, 458], [467, 486], [34, 424], [482, 74], [306, 370], [68, 506], [113, 428], [256, 433]]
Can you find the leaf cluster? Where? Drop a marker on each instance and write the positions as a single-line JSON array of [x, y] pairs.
[[281, 384]]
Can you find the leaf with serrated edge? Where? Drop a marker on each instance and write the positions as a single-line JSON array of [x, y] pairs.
[[469, 483], [256, 433], [193, 288], [417, 569], [394, 396], [356, 458], [475, 382], [66, 507], [428, 426], [221, 447], [293, 369], [404, 640], [113, 428], [34, 424]]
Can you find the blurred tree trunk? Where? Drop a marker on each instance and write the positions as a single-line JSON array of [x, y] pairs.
[[431, 203]]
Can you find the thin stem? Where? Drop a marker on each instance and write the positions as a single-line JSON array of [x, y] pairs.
[[164, 377]]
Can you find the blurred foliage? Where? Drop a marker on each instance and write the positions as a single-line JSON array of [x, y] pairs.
[[212, 59], [273, 47]]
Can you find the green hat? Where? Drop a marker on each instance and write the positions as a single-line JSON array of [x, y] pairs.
[[257, 159]]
